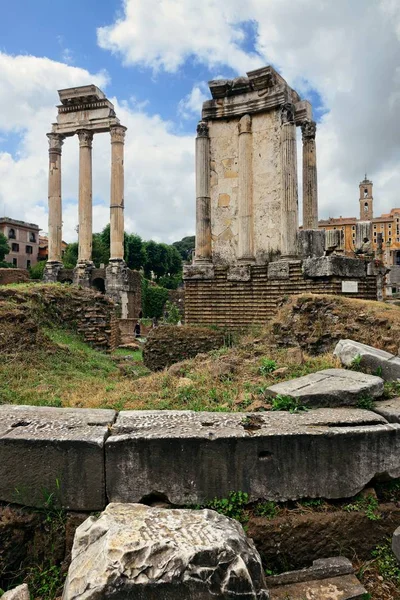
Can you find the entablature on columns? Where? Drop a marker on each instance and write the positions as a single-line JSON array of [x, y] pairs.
[[84, 108]]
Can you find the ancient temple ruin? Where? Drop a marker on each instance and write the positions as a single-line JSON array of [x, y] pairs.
[[249, 250], [85, 111]]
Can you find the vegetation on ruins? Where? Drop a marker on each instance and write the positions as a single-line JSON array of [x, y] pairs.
[[4, 249]]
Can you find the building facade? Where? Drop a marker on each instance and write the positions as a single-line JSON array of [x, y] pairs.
[[387, 224], [23, 239], [44, 248]]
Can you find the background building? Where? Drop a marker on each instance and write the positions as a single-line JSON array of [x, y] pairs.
[[44, 247], [23, 239]]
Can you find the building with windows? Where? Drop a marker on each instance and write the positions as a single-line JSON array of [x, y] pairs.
[[23, 239], [388, 225], [44, 248]]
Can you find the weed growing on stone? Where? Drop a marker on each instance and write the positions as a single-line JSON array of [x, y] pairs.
[[267, 366], [287, 403], [366, 402], [356, 363], [266, 509], [368, 505], [45, 581], [233, 506], [391, 389], [386, 562]]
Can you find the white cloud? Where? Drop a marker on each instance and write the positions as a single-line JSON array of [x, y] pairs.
[[347, 51], [190, 105], [159, 177]]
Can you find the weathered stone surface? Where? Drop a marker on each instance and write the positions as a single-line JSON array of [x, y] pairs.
[[198, 271], [396, 543], [389, 409], [330, 453], [21, 592], [310, 243], [321, 569], [340, 266], [278, 269], [136, 552], [371, 358], [239, 273], [345, 587], [331, 387], [53, 451]]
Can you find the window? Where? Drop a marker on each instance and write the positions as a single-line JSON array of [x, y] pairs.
[[15, 262], [365, 193], [11, 234], [32, 237], [366, 207], [374, 226], [389, 240], [28, 264], [353, 227], [14, 247], [28, 249]]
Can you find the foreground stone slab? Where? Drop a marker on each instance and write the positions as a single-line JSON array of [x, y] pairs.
[[21, 592], [136, 552], [389, 409], [372, 358], [190, 457], [54, 454], [331, 387], [396, 544], [327, 579]]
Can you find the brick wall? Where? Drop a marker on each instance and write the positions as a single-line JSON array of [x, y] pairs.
[[240, 303], [8, 276]]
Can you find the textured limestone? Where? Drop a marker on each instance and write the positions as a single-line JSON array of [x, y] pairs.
[[339, 266], [396, 543], [371, 358], [279, 269], [56, 451], [136, 552], [310, 243], [327, 579], [331, 387], [21, 592], [330, 453], [389, 409]]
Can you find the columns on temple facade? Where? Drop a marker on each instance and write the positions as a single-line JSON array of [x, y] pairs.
[[85, 196], [246, 244], [310, 189], [117, 193], [54, 261], [203, 202], [289, 205]]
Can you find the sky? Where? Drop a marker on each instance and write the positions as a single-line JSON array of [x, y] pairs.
[[153, 59]]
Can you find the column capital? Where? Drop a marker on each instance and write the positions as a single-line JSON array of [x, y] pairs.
[[308, 129], [202, 129], [56, 140], [85, 138], [245, 124], [117, 133], [287, 113]]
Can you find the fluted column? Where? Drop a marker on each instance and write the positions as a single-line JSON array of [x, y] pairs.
[[203, 202], [289, 206], [310, 189], [85, 196], [55, 207], [117, 193], [246, 245]]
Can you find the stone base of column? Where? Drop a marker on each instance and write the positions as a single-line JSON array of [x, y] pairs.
[[117, 285], [246, 260], [83, 273], [51, 271]]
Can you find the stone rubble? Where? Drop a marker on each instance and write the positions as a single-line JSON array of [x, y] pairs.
[[135, 551], [329, 388], [21, 592], [396, 544], [371, 358]]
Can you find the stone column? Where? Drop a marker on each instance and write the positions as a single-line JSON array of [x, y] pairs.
[[310, 188], [289, 202], [203, 202], [85, 264], [117, 193], [54, 260], [246, 245]]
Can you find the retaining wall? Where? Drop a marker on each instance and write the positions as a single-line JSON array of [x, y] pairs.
[[85, 458]]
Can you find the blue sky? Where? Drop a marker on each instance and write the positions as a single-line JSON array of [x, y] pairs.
[[154, 58]]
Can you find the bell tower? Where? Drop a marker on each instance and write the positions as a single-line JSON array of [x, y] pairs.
[[366, 200]]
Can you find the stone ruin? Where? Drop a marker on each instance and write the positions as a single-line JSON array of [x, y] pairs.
[[249, 249], [85, 111]]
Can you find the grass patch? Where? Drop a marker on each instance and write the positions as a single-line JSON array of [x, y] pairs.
[[287, 403]]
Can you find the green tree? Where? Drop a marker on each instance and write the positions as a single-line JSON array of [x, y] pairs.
[[4, 247], [36, 272], [185, 247], [100, 250], [71, 255], [135, 251], [154, 298]]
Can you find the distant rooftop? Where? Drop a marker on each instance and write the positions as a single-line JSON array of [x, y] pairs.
[[9, 221]]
